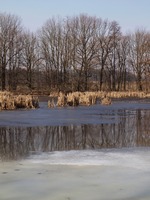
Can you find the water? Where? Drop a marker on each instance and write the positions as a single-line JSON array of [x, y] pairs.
[[93, 153], [96, 114], [123, 124]]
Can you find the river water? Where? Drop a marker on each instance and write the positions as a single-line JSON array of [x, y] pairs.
[[96, 153]]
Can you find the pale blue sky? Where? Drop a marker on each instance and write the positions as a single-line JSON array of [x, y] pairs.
[[130, 14]]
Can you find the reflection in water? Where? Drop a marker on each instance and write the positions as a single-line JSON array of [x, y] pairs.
[[19, 142]]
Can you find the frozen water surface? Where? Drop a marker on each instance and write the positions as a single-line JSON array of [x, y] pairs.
[[137, 158], [96, 114], [88, 175], [88, 153]]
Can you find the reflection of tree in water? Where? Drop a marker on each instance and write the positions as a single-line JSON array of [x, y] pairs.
[[132, 130], [143, 128], [12, 144]]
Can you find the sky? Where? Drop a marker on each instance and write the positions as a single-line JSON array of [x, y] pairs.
[[130, 14]]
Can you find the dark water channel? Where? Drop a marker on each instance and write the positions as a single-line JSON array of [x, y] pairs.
[[122, 124]]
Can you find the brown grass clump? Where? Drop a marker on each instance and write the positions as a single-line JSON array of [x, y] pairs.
[[62, 100], [75, 99], [86, 99], [72, 99], [90, 98], [51, 103], [106, 101], [8, 101], [26, 101]]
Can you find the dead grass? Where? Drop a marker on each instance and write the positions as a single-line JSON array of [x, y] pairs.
[[91, 98], [9, 101]]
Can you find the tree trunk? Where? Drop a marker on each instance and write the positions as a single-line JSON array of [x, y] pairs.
[[3, 78]]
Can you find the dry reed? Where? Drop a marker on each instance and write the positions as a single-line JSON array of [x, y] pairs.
[[90, 98], [9, 101]]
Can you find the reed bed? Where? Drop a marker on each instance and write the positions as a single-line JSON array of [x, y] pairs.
[[91, 98], [9, 101]]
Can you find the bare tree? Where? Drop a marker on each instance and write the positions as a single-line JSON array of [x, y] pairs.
[[104, 40], [10, 28], [84, 41], [113, 57], [30, 57], [51, 51], [122, 64], [139, 54], [66, 57], [14, 64]]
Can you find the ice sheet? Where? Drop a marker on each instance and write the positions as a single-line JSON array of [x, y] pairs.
[[104, 174], [138, 158], [113, 174]]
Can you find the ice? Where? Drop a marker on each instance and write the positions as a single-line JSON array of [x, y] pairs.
[[96, 114], [138, 158], [106, 174]]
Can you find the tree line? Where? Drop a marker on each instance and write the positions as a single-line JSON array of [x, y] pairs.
[[78, 53]]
